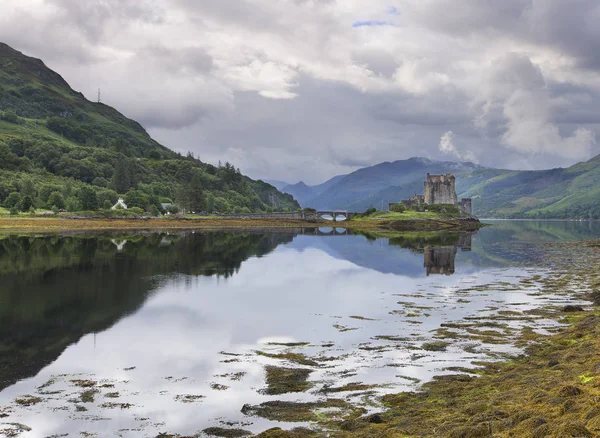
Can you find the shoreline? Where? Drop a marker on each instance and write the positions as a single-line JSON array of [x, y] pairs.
[[550, 390], [70, 224]]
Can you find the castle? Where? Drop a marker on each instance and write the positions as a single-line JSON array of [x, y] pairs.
[[439, 189]]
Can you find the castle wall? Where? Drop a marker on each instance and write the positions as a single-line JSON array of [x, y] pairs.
[[440, 189], [466, 205]]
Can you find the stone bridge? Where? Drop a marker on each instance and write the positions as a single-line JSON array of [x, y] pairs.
[[299, 215], [335, 214]]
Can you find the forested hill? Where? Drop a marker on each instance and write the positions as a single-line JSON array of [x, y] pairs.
[[61, 150], [571, 193]]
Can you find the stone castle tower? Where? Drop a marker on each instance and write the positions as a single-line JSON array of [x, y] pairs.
[[440, 189]]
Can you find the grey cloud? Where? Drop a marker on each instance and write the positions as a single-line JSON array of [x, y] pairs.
[[185, 61], [92, 17], [569, 27], [378, 61], [472, 17], [42, 38], [194, 80]]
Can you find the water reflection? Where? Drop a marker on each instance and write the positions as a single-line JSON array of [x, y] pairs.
[[189, 312], [55, 290]]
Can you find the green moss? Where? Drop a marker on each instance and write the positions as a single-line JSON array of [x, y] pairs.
[[298, 358], [84, 383], [301, 412], [284, 380], [113, 405], [354, 386], [88, 395], [226, 433], [28, 400], [188, 398], [435, 346]]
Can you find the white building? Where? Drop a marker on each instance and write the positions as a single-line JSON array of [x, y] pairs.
[[120, 205]]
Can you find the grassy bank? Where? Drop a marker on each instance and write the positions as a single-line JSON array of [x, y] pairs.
[[53, 224]]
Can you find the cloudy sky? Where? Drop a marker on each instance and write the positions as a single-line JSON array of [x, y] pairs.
[[307, 89]]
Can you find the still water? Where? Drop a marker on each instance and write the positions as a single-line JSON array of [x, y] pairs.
[[136, 334]]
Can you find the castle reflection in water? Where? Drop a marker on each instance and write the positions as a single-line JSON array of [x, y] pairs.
[[440, 259]]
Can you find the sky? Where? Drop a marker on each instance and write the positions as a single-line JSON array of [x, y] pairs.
[[308, 89]]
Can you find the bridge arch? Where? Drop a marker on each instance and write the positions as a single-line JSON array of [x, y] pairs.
[[334, 214]]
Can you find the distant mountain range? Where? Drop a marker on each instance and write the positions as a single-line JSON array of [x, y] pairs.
[[369, 186], [573, 192]]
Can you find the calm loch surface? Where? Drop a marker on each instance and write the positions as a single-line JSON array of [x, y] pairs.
[[132, 335]]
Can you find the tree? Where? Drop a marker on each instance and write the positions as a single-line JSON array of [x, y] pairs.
[[27, 188], [173, 209], [121, 179], [12, 200], [10, 116], [57, 200], [44, 193], [120, 146], [190, 195], [154, 211], [73, 204], [99, 182], [26, 203], [87, 197], [210, 203], [398, 208], [136, 198], [105, 196]]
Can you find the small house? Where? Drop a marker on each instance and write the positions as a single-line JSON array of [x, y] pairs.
[[120, 205]]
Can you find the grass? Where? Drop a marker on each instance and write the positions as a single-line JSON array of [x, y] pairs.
[[88, 395], [54, 224], [300, 412], [28, 400], [282, 380], [298, 358], [408, 214], [226, 433]]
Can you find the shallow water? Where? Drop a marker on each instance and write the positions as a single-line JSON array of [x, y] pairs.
[[172, 333]]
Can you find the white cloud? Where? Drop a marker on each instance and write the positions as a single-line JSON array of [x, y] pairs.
[[447, 147]]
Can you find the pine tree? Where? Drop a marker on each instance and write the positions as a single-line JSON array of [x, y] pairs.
[[121, 179], [88, 198]]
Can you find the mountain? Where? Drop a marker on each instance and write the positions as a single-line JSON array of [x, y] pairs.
[[387, 182], [559, 193], [276, 183], [54, 140], [304, 193]]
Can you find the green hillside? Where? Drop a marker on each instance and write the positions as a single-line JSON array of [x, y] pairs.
[[55, 142], [556, 193]]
